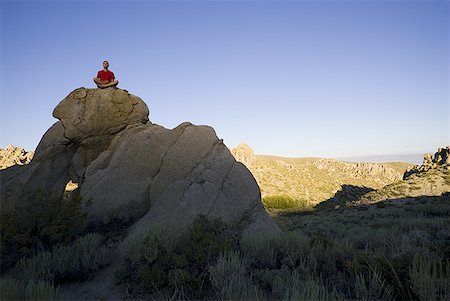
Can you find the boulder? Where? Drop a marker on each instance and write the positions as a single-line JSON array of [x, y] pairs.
[[141, 173], [91, 112]]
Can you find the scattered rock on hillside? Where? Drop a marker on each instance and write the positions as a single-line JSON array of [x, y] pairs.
[[12, 155], [314, 180], [360, 170], [432, 178]]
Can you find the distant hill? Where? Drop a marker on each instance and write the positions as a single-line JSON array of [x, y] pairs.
[[313, 180], [408, 158]]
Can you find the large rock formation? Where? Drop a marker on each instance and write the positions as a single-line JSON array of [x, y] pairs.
[[130, 169], [12, 155], [440, 161]]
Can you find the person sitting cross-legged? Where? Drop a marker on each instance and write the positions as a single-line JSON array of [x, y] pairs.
[[105, 78]]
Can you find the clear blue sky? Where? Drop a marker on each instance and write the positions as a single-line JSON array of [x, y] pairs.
[[294, 78]]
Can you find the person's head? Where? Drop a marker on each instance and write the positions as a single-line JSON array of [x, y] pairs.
[[105, 64]]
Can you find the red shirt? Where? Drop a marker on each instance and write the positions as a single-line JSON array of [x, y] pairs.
[[105, 75]]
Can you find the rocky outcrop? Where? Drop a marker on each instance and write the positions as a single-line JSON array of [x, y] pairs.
[[90, 113], [440, 161], [244, 154], [132, 170], [432, 178], [12, 155], [360, 170]]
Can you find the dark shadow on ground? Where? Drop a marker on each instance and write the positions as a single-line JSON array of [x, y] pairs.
[[420, 206], [337, 204], [347, 193]]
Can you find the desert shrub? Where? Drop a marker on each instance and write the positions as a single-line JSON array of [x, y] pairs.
[[207, 238], [361, 255], [329, 260], [372, 287], [310, 290], [13, 289], [263, 251], [65, 262], [313, 290], [273, 251], [149, 246], [430, 277], [162, 263], [151, 260], [346, 247], [228, 264], [44, 221], [240, 288], [278, 281], [280, 202], [441, 242], [228, 276], [295, 286], [297, 245], [289, 266]]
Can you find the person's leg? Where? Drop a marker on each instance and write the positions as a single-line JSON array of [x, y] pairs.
[[107, 85], [111, 84]]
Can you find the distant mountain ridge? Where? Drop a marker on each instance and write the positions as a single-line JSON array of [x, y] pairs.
[[407, 158]]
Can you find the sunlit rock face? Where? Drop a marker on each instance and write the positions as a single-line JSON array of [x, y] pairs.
[[440, 161], [244, 154], [12, 155]]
